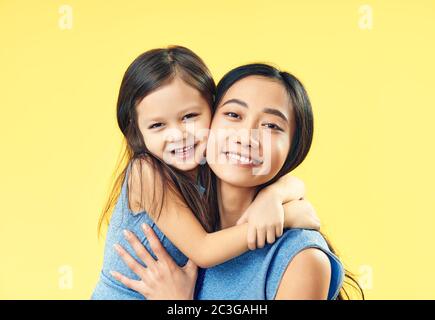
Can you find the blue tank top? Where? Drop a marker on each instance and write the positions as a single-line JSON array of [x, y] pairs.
[[108, 288], [256, 275]]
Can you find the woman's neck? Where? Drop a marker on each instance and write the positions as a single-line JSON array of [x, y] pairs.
[[232, 202]]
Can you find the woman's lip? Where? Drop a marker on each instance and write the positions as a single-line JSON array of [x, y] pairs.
[[242, 160]]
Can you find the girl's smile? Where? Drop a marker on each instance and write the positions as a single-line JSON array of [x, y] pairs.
[[184, 153]]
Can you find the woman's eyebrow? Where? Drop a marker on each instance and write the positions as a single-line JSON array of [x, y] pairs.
[[275, 112], [237, 101]]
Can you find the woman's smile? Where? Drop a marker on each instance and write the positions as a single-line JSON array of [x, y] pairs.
[[242, 160]]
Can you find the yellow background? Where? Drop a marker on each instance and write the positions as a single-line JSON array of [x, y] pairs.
[[369, 174]]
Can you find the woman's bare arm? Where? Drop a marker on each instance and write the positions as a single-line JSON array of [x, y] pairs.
[[307, 277]]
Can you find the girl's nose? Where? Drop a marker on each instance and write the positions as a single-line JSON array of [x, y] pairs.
[[177, 133], [174, 134]]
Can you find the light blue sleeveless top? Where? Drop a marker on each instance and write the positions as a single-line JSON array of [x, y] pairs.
[[108, 288], [256, 275]]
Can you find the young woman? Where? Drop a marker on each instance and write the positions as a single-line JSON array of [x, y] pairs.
[[164, 111], [300, 264]]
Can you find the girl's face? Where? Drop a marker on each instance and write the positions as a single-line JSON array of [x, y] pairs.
[[251, 131], [174, 121]]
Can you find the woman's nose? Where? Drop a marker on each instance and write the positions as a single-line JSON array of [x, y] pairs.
[[249, 139]]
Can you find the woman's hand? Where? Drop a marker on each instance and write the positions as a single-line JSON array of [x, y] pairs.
[[160, 280]]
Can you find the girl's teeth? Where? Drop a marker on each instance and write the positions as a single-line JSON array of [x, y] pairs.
[[182, 150]]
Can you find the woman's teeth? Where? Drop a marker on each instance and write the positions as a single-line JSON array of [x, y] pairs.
[[241, 159]]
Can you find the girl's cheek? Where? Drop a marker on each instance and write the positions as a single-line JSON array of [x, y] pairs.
[[155, 144], [205, 124]]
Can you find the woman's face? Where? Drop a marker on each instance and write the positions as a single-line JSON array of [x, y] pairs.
[[174, 122], [250, 134]]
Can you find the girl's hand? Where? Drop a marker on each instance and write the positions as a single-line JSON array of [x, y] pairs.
[[276, 207], [160, 280], [301, 214], [287, 188], [265, 217]]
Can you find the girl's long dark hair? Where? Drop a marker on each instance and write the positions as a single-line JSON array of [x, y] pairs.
[[146, 73], [302, 136]]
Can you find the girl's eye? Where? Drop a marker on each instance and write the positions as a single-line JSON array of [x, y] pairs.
[[232, 115], [190, 116], [155, 125], [273, 126]]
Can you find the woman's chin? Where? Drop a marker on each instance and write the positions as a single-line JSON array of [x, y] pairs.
[[238, 177]]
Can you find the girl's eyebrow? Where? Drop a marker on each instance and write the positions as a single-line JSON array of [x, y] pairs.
[[156, 119], [190, 108], [193, 107], [272, 111]]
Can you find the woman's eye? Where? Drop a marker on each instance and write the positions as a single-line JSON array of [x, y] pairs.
[[273, 126], [190, 116], [155, 125], [232, 115]]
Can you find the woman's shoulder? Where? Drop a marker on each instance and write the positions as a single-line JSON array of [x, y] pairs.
[[302, 237], [295, 242]]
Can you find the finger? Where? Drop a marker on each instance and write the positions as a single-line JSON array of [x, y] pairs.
[[135, 266], [190, 267], [129, 283], [156, 246], [189, 264], [243, 219], [139, 248], [252, 238], [261, 237], [278, 231], [271, 235]]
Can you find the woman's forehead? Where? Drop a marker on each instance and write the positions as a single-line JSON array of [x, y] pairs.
[[259, 92]]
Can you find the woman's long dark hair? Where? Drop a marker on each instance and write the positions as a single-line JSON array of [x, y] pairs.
[[302, 136], [146, 73]]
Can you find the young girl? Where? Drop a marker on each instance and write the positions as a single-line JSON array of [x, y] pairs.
[[164, 111]]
